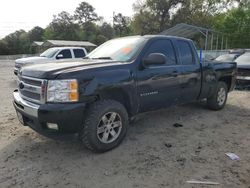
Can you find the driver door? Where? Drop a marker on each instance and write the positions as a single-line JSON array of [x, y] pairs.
[[159, 85]]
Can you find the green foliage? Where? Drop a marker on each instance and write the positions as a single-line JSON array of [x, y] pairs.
[[195, 12], [153, 16], [100, 39], [107, 30], [235, 23], [231, 17], [36, 34], [228, 16], [4, 48], [15, 43], [62, 27], [144, 23], [85, 13], [121, 25]]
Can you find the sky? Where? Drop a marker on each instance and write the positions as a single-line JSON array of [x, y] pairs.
[[25, 14]]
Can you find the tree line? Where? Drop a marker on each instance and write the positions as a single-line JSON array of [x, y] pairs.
[[231, 17]]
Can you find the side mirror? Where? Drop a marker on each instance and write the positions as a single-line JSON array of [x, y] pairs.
[[154, 59], [59, 56]]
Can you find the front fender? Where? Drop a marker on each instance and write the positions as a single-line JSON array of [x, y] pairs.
[[116, 84]]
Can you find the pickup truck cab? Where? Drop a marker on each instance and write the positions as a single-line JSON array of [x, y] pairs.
[[95, 97], [51, 54]]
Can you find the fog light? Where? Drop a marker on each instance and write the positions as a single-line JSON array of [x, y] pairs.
[[52, 126]]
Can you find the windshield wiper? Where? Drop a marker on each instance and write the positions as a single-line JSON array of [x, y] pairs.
[[103, 58], [85, 57]]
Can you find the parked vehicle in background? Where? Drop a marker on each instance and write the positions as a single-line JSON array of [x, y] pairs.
[[243, 77], [227, 57], [96, 97], [237, 51], [51, 54]]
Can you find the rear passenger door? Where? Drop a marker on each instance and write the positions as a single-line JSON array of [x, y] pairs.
[[79, 53], [158, 85], [190, 77]]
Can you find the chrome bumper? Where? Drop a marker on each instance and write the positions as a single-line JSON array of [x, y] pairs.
[[16, 71], [243, 77], [25, 106]]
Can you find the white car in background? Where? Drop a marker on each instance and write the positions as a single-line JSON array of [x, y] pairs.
[[52, 54]]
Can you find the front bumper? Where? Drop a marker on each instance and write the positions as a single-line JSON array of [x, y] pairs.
[[68, 117], [16, 71]]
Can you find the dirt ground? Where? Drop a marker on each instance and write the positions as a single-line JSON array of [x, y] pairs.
[[154, 153]]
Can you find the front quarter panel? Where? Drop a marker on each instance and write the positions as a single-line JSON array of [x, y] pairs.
[[117, 84]]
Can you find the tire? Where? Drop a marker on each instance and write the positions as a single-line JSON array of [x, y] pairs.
[[105, 126], [219, 98]]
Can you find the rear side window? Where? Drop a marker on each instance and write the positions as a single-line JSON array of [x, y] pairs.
[[66, 54], [79, 53], [165, 47], [186, 55]]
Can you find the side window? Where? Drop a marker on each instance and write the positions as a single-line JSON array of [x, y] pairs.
[[79, 53], [65, 54], [186, 55], [165, 47]]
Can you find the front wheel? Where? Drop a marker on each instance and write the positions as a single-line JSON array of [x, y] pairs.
[[105, 126], [219, 98]]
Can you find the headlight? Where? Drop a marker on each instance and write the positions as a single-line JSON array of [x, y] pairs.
[[17, 65], [62, 91]]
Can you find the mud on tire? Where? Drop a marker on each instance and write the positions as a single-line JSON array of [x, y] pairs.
[[105, 126], [218, 100]]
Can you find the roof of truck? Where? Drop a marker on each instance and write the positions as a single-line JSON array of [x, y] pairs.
[[164, 36], [68, 43], [156, 36], [67, 47]]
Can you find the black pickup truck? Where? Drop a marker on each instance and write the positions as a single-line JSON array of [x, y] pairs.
[[97, 96]]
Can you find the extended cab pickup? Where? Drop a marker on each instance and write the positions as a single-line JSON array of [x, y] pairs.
[[51, 54], [97, 96]]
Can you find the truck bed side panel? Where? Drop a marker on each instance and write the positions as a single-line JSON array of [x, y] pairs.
[[214, 72]]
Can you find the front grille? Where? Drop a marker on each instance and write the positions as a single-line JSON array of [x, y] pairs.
[[31, 95], [32, 89], [32, 82]]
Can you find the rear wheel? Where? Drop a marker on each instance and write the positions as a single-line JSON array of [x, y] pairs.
[[105, 126], [219, 98]]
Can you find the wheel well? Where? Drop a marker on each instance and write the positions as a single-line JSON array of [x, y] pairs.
[[118, 95], [227, 80]]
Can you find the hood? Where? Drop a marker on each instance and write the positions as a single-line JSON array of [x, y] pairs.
[[29, 60], [53, 69]]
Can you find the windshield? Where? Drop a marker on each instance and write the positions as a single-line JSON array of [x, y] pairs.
[[244, 59], [49, 53], [122, 49], [226, 57]]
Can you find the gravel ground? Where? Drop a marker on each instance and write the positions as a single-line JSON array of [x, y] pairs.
[[154, 154]]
